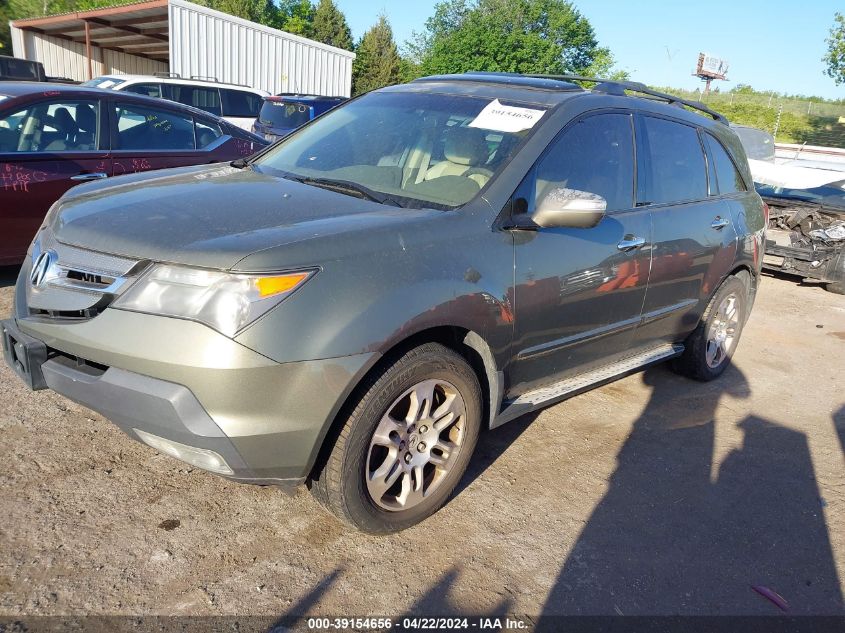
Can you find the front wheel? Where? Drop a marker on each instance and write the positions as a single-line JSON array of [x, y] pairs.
[[708, 350], [406, 444]]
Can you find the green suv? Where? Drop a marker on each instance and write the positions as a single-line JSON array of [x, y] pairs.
[[349, 308]]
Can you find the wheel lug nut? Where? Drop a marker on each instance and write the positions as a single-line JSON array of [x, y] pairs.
[[408, 458], [423, 429], [421, 447]]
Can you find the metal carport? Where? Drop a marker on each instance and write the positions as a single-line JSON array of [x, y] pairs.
[[180, 37]]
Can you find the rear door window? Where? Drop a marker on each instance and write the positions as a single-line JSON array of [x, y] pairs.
[[143, 128], [595, 155], [728, 177], [207, 99], [52, 126], [240, 103], [673, 166]]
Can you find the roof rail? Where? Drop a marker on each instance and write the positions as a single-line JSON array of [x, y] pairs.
[[168, 75], [611, 87]]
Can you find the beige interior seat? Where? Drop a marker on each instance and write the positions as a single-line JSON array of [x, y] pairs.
[[466, 154]]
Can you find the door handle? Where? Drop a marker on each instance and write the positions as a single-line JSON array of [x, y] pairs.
[[629, 242], [97, 175], [719, 223]]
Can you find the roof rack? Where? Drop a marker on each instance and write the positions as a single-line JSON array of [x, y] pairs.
[[213, 80], [612, 87]]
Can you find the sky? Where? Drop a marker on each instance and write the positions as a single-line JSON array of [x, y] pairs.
[[775, 45]]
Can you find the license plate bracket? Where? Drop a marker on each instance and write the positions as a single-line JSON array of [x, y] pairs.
[[24, 355]]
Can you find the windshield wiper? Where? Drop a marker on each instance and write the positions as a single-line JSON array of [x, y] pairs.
[[350, 188], [239, 163]]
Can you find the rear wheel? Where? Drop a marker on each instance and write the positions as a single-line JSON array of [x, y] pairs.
[[708, 350], [405, 446]]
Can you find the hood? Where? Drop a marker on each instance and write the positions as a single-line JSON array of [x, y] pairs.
[[214, 217]]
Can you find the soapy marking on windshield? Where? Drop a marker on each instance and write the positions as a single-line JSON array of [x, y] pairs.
[[502, 118]]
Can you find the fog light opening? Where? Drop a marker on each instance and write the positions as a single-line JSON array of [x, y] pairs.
[[200, 457]]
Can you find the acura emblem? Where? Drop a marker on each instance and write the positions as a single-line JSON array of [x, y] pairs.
[[41, 267]]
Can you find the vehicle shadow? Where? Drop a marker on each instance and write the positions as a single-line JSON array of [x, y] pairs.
[[491, 445], [839, 426], [679, 534], [8, 275]]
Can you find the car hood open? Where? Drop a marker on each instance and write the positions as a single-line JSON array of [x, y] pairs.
[[210, 216]]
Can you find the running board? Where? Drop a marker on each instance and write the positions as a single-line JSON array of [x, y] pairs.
[[544, 396]]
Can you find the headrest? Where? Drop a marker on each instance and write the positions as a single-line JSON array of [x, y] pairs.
[[86, 118], [63, 121], [466, 146]]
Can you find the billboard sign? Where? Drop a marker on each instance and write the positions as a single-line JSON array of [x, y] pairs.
[[710, 66]]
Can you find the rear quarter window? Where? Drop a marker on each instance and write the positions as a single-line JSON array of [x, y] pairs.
[[727, 176], [240, 103]]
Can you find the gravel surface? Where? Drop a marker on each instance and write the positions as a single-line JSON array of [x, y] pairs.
[[652, 495]]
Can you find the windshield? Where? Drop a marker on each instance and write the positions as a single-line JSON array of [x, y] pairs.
[[832, 194], [284, 114], [103, 82], [420, 150]]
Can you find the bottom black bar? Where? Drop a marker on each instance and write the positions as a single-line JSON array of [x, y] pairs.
[[529, 624]]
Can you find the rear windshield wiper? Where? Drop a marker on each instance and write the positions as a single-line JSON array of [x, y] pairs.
[[349, 188]]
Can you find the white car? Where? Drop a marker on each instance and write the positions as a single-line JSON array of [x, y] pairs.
[[237, 104]]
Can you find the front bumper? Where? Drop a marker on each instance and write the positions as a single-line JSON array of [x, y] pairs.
[[184, 382]]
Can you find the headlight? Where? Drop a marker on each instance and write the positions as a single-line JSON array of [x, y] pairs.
[[224, 301]]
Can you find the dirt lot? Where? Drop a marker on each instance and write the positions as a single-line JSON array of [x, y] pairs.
[[653, 495]]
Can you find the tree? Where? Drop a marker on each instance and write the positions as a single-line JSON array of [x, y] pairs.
[[525, 36], [377, 61], [295, 16], [260, 11], [834, 58], [5, 35], [330, 26]]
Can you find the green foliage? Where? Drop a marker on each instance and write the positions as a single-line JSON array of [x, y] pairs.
[[295, 16], [5, 35], [377, 62], [261, 11], [834, 58], [330, 26], [525, 36]]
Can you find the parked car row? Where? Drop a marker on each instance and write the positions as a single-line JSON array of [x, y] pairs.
[[53, 137]]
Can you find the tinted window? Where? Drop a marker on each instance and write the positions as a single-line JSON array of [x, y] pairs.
[[207, 99], [240, 103], [58, 126], [595, 155], [143, 128], [674, 166], [19, 69], [150, 90], [207, 132], [284, 114], [727, 176]]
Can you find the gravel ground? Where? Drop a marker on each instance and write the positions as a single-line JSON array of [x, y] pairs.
[[652, 495]]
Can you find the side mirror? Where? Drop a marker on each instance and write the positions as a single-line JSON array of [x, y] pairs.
[[569, 208]]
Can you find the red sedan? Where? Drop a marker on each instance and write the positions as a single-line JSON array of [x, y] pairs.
[[54, 136]]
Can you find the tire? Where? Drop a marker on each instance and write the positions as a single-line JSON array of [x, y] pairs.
[[704, 358], [359, 481]]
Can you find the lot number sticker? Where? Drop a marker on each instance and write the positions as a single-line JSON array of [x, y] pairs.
[[502, 118]]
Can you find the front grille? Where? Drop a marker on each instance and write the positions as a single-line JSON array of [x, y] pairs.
[[77, 284]]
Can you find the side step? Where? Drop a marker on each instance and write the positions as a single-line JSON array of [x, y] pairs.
[[544, 396]]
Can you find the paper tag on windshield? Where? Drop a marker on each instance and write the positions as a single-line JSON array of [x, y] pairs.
[[502, 118]]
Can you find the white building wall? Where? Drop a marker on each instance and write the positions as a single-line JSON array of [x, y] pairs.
[[208, 43], [62, 58]]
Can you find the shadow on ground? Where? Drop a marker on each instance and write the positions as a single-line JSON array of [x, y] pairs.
[[669, 537]]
